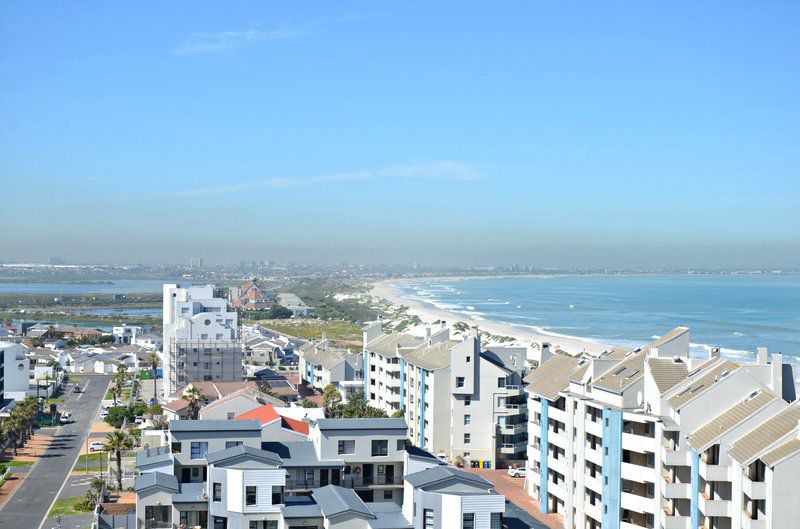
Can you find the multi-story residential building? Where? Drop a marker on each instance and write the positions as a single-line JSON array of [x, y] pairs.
[[15, 372], [459, 401], [124, 334], [200, 337], [218, 474], [654, 438], [322, 363]]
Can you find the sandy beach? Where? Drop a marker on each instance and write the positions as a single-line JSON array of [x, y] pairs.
[[524, 335]]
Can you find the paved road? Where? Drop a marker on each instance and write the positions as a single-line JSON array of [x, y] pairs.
[[31, 502]]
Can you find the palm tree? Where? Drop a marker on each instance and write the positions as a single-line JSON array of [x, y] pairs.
[[152, 359], [118, 442], [195, 399], [119, 381], [12, 428]]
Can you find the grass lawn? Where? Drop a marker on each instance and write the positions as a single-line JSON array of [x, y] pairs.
[[93, 457], [17, 464], [307, 329], [126, 395], [65, 507]]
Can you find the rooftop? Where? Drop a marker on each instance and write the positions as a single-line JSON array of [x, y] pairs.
[[362, 424], [334, 500], [739, 412], [441, 473], [213, 425], [624, 374], [766, 436], [700, 385], [553, 375]]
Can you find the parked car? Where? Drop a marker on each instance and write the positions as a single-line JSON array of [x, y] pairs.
[[77, 389], [97, 446], [103, 414], [516, 472]]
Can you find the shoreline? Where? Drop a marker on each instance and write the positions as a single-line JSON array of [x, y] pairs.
[[522, 334]]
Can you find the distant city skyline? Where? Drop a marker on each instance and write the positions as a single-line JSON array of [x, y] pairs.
[[586, 136]]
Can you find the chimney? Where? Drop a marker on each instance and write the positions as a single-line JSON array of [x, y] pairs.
[[714, 353], [428, 333], [444, 324], [653, 352], [762, 356]]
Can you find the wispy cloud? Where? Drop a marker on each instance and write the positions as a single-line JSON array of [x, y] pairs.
[[209, 42], [441, 170]]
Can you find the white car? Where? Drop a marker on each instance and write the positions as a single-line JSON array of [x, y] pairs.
[[97, 446], [516, 472], [103, 414]]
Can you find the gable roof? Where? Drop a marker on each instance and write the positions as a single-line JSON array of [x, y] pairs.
[[700, 385], [436, 356], [782, 452], [667, 372], [441, 473], [153, 456], [211, 425], [242, 450], [267, 414], [709, 433], [553, 375], [299, 454], [334, 500], [362, 424], [386, 344], [156, 479], [671, 335], [761, 439], [623, 374]]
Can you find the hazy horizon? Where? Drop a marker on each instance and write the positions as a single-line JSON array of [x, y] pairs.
[[581, 136]]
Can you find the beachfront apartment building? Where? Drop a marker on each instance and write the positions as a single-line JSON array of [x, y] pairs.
[[200, 340], [220, 474], [653, 438], [459, 401], [322, 363]]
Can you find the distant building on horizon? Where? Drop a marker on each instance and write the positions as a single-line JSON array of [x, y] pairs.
[[196, 263]]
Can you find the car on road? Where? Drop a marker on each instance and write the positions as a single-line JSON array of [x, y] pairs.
[[77, 389], [66, 418], [97, 446], [103, 414], [516, 472]]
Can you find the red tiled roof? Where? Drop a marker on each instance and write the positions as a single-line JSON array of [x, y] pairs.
[[267, 414], [294, 425]]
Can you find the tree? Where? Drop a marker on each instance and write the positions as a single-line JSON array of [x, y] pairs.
[[356, 407], [399, 414], [118, 442], [12, 428], [118, 382], [279, 312], [195, 399], [152, 359], [308, 403], [332, 401]]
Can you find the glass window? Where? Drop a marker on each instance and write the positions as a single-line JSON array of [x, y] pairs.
[[277, 495], [231, 415], [501, 382], [467, 401], [217, 492], [467, 419], [427, 517], [380, 447], [176, 448], [401, 444], [231, 444], [347, 446], [158, 513], [496, 521], [387, 495], [468, 520], [199, 449], [467, 438], [459, 382], [250, 495]]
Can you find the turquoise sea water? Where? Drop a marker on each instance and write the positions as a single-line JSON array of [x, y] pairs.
[[735, 312]]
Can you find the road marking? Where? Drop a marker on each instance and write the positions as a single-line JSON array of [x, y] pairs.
[[83, 391]]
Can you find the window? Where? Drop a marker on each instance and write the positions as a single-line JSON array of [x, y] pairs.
[[217, 495], [231, 444], [467, 438], [469, 359], [501, 382], [459, 382], [176, 448], [496, 521], [158, 513], [231, 415], [427, 517], [250, 495], [401, 445], [347, 447], [195, 472], [380, 447], [387, 495], [467, 419], [468, 520], [199, 450], [277, 495]]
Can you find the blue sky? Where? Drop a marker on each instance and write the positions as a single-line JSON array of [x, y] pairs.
[[587, 134]]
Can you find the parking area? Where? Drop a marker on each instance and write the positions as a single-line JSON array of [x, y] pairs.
[[527, 510]]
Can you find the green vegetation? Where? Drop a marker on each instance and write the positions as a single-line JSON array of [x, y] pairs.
[[117, 414], [69, 507], [125, 394], [17, 464], [355, 407], [94, 457], [310, 328], [338, 300]]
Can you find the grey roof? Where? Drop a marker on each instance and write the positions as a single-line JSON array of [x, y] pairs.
[[323, 354], [739, 412], [299, 454], [667, 372], [362, 424], [153, 456], [419, 453], [443, 473], [623, 374], [242, 450], [388, 515], [334, 500], [156, 479], [190, 492], [782, 452], [436, 356], [553, 375], [214, 425], [386, 344], [671, 335], [300, 507], [697, 386]]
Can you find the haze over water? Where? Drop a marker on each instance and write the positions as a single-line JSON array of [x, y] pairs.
[[735, 312]]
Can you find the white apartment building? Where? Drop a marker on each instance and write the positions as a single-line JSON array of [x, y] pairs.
[[458, 400], [322, 363], [15, 372], [125, 333], [653, 438], [200, 337]]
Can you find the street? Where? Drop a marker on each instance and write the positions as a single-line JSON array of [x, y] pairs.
[[31, 502]]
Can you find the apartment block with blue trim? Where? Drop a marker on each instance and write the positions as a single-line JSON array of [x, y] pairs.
[[462, 401], [654, 438], [322, 362]]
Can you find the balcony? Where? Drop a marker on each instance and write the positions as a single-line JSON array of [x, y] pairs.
[[370, 481], [512, 448], [715, 507], [594, 428], [713, 472], [748, 523], [594, 456], [392, 382], [513, 429], [634, 502], [593, 483], [675, 457], [676, 522], [511, 409], [513, 390], [638, 473], [676, 491], [755, 490]]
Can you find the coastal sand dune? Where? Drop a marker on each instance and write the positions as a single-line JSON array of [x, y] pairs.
[[525, 335]]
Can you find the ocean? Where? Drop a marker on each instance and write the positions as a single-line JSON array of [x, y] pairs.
[[734, 312]]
